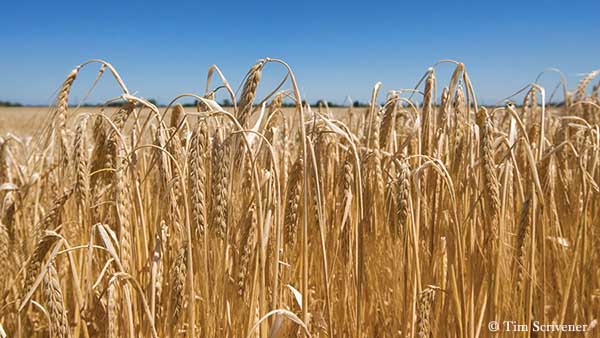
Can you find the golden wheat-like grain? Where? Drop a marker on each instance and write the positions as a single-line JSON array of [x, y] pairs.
[[197, 176], [596, 92], [120, 117], [220, 186], [8, 216], [524, 231], [580, 91], [4, 172], [249, 242], [490, 179], [123, 208], [176, 114], [158, 260], [112, 311], [100, 136], [426, 298], [80, 159], [177, 275], [63, 93], [59, 326], [347, 196], [276, 103], [4, 251], [388, 120], [292, 203], [427, 118], [403, 189], [249, 93], [36, 260], [52, 217]]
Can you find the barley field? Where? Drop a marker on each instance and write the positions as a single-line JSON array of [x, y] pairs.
[[423, 215]]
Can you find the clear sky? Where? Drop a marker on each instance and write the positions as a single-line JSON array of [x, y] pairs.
[[336, 49]]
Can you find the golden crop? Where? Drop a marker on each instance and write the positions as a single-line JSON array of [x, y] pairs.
[[416, 218]]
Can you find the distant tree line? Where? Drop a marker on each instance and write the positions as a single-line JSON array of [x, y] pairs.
[[10, 104], [228, 103]]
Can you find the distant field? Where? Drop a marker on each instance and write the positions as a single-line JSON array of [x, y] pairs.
[[23, 121]]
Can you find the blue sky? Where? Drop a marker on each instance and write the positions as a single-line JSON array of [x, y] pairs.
[[336, 49]]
